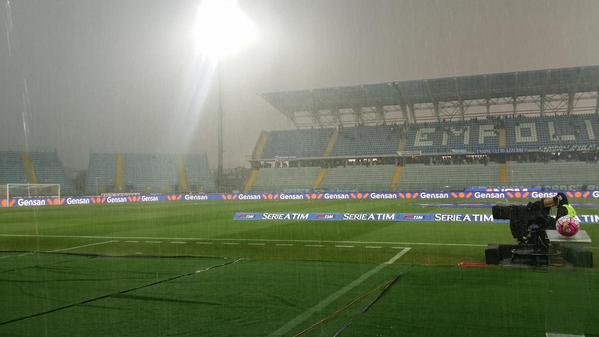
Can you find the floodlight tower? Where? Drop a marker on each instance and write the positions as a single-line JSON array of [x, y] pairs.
[[222, 29]]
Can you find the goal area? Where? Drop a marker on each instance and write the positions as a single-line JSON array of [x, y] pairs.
[[32, 191]]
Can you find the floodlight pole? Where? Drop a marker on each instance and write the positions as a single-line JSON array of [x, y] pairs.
[[219, 173]]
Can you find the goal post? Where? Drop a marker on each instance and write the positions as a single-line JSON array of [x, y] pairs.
[[32, 191]]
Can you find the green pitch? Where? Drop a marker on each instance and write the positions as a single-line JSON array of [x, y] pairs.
[[188, 269]]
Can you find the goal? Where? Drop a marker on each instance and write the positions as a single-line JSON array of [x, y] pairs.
[[32, 191]]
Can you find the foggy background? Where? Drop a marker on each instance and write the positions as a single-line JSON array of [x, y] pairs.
[[124, 75]]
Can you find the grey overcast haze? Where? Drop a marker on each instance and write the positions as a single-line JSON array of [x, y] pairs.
[[124, 76]]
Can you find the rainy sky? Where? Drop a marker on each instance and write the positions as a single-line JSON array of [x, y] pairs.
[[126, 76]]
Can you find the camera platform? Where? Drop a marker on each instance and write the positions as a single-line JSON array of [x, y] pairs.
[[571, 249], [556, 238]]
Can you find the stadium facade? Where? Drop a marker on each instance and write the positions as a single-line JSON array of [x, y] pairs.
[[533, 128]]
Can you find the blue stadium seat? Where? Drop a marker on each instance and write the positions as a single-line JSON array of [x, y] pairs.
[[49, 170], [367, 140], [11, 168], [297, 143], [100, 173], [149, 173]]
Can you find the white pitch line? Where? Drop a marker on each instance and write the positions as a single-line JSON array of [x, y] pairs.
[[313, 245], [77, 247], [284, 244], [178, 242], [398, 255], [59, 250], [16, 255], [208, 268], [373, 247], [344, 246], [131, 241], [322, 304], [242, 239]]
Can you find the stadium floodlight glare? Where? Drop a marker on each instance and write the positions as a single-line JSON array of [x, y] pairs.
[[222, 28]]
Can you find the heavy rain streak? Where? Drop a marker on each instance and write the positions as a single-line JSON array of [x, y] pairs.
[[299, 168]]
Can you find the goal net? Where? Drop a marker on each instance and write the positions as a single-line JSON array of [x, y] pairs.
[[32, 191]]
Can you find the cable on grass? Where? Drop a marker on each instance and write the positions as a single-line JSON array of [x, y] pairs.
[[121, 292], [353, 302], [369, 305]]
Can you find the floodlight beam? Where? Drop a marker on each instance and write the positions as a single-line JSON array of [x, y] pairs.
[[221, 30]]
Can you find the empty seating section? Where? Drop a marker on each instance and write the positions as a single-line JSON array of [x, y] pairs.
[[199, 177], [367, 140], [376, 178], [444, 137], [49, 170], [418, 177], [11, 168], [47, 166], [554, 173], [148, 173], [448, 137], [297, 143], [551, 131], [100, 173], [290, 180], [511, 134], [521, 133], [421, 177]]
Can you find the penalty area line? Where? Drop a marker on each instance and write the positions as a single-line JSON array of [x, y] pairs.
[[334, 296]]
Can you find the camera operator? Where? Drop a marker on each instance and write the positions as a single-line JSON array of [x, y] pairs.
[[540, 210], [563, 207], [534, 217]]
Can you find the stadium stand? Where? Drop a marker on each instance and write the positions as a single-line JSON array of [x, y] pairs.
[[149, 173], [367, 140], [34, 168], [418, 177], [49, 170], [473, 136], [291, 179], [450, 137], [554, 173], [297, 143], [552, 131], [100, 173], [517, 135], [505, 129], [359, 178], [11, 168], [198, 173], [522, 133]]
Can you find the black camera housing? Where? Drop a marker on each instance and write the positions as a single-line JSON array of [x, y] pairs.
[[527, 222]]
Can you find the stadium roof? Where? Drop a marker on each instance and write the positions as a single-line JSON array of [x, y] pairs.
[[434, 91]]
